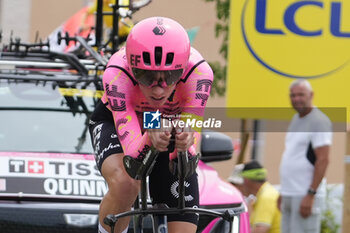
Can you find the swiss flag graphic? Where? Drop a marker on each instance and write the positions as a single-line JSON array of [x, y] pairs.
[[36, 167]]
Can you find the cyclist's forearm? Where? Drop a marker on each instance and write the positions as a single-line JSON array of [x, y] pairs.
[[137, 146]]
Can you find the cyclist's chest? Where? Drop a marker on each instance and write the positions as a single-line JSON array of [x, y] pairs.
[[168, 108]]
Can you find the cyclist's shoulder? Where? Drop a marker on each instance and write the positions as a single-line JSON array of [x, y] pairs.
[[195, 56], [118, 59], [196, 60], [117, 66], [197, 67]]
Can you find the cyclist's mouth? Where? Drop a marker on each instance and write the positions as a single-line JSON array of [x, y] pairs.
[[157, 99]]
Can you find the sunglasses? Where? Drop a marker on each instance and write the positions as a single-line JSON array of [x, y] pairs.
[[151, 78]]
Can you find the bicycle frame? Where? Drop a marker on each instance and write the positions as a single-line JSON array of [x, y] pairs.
[[159, 212]]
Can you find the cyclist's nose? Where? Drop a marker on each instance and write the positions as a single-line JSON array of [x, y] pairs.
[[160, 76], [157, 90]]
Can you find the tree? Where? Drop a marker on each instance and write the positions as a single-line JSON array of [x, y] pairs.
[[221, 31]]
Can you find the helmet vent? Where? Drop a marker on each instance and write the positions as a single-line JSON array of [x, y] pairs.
[[169, 59], [146, 58], [158, 52]]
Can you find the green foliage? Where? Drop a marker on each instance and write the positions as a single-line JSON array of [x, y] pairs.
[[328, 222], [222, 31], [219, 84]]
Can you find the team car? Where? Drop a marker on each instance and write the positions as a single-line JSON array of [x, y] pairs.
[[48, 177]]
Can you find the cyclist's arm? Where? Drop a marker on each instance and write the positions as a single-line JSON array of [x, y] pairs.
[[195, 90], [119, 89], [195, 87]]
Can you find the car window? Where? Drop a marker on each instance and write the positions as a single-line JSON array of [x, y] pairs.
[[44, 117]]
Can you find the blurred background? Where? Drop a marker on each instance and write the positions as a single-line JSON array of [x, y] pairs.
[[30, 19]]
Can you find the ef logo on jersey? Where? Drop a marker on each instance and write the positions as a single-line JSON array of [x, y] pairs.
[[151, 120]]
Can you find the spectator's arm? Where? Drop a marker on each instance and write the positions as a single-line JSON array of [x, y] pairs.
[[260, 228], [321, 164]]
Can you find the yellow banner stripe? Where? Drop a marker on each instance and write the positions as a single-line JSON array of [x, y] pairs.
[[80, 92]]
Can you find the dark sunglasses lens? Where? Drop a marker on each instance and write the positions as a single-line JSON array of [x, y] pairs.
[[142, 77], [147, 77], [173, 76]]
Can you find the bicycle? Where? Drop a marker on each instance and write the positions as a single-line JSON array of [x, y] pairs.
[[184, 167]]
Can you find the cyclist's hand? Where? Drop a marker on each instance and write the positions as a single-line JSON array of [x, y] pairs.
[[184, 139], [160, 138]]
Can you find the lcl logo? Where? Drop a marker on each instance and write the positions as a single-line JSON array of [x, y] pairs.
[[297, 39], [290, 16]]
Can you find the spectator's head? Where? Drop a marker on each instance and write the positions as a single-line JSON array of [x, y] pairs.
[[254, 171], [301, 95], [254, 175], [236, 178]]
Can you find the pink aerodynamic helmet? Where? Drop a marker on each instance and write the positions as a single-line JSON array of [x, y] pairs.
[[157, 44]]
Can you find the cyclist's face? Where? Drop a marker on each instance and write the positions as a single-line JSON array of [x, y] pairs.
[[157, 95], [301, 98]]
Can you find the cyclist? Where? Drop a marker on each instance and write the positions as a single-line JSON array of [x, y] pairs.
[[156, 71]]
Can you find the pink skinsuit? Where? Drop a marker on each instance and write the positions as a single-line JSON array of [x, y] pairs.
[[125, 100]]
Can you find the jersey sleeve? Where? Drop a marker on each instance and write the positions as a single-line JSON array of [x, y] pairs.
[[263, 212], [265, 209], [320, 139], [321, 131], [196, 86], [119, 89], [195, 89]]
